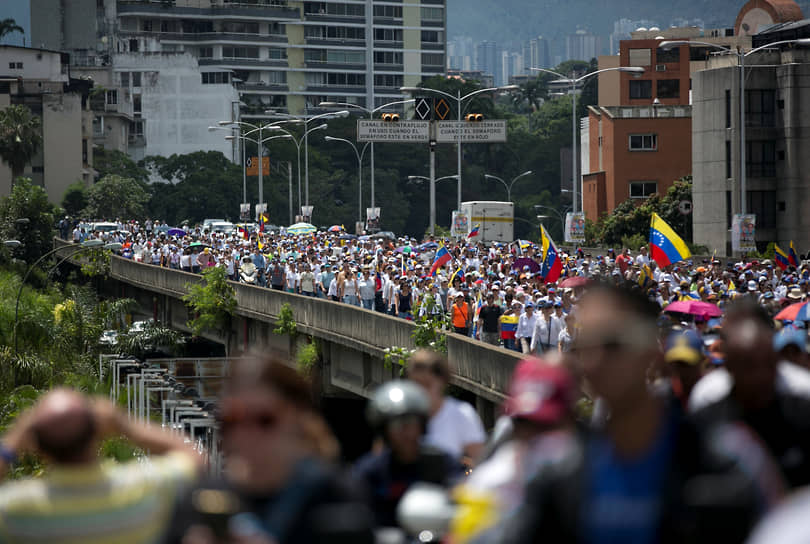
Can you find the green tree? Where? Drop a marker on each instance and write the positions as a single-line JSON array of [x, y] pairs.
[[75, 199], [197, 185], [9, 25], [20, 137], [27, 216], [212, 303], [112, 161], [116, 196]]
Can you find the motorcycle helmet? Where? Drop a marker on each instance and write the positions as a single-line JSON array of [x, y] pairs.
[[396, 399]]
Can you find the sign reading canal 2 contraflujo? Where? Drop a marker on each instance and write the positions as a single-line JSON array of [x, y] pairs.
[[402, 131]]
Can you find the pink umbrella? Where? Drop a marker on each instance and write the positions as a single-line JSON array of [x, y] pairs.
[[574, 281], [695, 307]]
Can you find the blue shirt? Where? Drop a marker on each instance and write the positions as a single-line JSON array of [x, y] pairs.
[[624, 495]]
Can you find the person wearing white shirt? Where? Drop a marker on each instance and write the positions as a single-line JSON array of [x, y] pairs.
[[525, 330], [454, 426], [546, 331], [367, 288], [643, 258]]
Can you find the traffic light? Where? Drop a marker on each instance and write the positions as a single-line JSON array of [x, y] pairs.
[[474, 117], [390, 117]]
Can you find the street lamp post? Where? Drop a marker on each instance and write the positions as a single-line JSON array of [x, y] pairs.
[[306, 121], [510, 184], [260, 144], [433, 183], [370, 113], [359, 155], [297, 142], [88, 244], [459, 101], [574, 82], [669, 44]]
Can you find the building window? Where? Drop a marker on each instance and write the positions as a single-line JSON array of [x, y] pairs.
[[760, 108], [136, 79], [668, 88], [206, 52], [84, 151], [337, 79], [133, 45], [643, 142], [276, 28], [763, 204], [387, 57], [432, 14], [277, 78], [728, 209], [215, 78], [664, 56], [15, 65], [388, 80], [389, 12], [643, 189], [432, 59], [388, 34], [238, 27], [431, 36], [137, 108], [760, 158], [136, 129], [640, 57], [168, 26], [240, 52], [728, 159], [277, 53], [112, 97], [124, 79], [146, 25], [640, 88], [728, 108]]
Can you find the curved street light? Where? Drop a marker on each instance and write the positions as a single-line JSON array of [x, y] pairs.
[[432, 194], [574, 82], [297, 141], [510, 184], [459, 101], [370, 113], [87, 244], [669, 44], [359, 155]]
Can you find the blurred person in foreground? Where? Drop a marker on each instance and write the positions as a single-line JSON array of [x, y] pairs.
[[781, 418], [398, 412], [686, 360], [539, 410], [453, 425], [280, 485], [650, 475], [80, 498]]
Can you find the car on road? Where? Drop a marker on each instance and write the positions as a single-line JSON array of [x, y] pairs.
[[108, 338]]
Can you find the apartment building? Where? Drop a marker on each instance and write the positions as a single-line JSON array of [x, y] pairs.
[[285, 55], [40, 80]]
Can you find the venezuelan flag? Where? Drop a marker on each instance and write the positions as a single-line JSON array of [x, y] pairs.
[[242, 232], [509, 324], [552, 263], [781, 258], [457, 274], [792, 256], [666, 247], [645, 276], [442, 257], [474, 232]]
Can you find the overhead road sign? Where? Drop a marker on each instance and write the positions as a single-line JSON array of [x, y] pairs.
[[447, 132], [402, 131]]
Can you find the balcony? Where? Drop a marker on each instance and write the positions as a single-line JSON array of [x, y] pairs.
[[215, 37], [262, 88], [246, 63], [326, 18], [358, 90], [336, 42], [324, 65], [432, 46], [388, 44], [248, 11]]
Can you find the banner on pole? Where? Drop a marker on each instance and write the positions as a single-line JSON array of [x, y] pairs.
[[743, 233], [252, 166], [460, 225], [575, 227]]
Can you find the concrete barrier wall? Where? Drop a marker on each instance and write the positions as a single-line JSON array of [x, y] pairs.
[[477, 367]]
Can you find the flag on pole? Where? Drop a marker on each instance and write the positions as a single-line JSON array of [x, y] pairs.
[[242, 232], [442, 257], [782, 259], [792, 256], [666, 247], [457, 274], [474, 232], [551, 268]]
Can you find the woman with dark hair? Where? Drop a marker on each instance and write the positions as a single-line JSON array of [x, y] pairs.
[[280, 483]]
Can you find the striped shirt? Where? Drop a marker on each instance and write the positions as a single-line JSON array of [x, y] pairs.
[[103, 503]]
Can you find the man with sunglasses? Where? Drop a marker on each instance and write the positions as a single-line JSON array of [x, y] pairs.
[[650, 475]]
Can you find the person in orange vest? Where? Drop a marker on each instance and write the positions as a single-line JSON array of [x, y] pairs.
[[462, 315]]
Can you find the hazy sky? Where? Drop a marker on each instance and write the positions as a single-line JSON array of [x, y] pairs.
[[19, 11]]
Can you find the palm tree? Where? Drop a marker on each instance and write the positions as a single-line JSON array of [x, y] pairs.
[[7, 26], [20, 137]]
